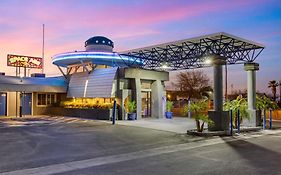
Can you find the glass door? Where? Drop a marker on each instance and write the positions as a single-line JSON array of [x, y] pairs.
[[146, 104]]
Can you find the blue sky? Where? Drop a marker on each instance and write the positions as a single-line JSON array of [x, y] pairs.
[[137, 23]]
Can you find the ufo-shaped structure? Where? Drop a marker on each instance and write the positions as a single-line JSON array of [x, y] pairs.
[[99, 51]]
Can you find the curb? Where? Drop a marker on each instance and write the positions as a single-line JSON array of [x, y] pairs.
[[207, 133]]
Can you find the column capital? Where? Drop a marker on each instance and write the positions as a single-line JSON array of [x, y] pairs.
[[251, 66]]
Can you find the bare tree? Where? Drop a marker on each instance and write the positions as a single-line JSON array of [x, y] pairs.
[[192, 84]]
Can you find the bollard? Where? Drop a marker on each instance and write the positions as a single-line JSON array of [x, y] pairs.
[[113, 113], [238, 121], [264, 119], [20, 111], [270, 118], [189, 112], [231, 122]]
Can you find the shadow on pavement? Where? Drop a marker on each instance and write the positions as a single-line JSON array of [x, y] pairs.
[[258, 156]]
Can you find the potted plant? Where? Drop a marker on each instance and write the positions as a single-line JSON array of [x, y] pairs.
[[169, 113], [198, 110], [132, 115]]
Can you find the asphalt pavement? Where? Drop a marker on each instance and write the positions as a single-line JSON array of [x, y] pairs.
[[73, 146]]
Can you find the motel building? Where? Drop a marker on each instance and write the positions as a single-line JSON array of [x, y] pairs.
[[91, 81], [95, 79]]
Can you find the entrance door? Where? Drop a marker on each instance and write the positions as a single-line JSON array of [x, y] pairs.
[[3, 104], [146, 104], [26, 100]]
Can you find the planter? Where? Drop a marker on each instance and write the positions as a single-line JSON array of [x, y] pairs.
[[99, 114], [169, 115], [132, 116], [207, 133]]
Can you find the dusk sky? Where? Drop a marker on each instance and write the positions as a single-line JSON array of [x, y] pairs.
[[138, 23]]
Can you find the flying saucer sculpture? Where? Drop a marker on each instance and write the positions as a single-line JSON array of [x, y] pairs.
[[99, 51]]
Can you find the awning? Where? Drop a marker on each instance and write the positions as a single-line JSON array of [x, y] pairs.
[[193, 53], [98, 84]]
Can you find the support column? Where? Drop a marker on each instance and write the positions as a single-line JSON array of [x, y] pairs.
[[218, 116], [251, 69], [218, 88], [157, 100]]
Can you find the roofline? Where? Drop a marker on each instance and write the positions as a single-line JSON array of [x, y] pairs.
[[195, 38]]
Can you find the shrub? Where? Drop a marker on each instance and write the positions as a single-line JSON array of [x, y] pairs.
[[264, 103], [169, 106], [198, 110], [131, 106], [239, 104]]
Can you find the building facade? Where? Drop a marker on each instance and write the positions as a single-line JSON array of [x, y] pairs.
[[93, 80]]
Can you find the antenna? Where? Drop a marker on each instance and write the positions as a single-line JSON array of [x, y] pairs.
[[43, 48]]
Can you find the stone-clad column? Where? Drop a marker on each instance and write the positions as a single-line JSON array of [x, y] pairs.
[[218, 87], [218, 116], [157, 99], [251, 69], [138, 97]]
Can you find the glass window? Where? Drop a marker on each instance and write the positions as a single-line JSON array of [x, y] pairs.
[[41, 99], [46, 99], [53, 98]]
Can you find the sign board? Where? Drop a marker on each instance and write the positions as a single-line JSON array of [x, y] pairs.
[[24, 61]]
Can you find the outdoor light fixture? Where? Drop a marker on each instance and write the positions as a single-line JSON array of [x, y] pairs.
[[164, 65], [208, 61]]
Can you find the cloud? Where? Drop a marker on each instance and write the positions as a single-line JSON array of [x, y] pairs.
[[70, 23]]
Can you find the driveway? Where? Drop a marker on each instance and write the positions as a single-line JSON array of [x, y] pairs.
[[177, 124], [66, 146]]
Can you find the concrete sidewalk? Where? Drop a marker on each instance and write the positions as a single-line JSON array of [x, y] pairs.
[[177, 124]]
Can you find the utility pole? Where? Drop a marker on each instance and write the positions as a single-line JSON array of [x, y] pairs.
[[280, 91], [43, 48]]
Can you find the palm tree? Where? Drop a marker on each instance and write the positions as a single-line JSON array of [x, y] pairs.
[[273, 84]]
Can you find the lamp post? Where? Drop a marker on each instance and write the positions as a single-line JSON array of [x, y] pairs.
[[21, 97]]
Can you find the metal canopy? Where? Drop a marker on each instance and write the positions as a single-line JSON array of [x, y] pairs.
[[193, 53]]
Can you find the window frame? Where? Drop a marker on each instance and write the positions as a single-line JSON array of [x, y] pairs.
[[48, 99]]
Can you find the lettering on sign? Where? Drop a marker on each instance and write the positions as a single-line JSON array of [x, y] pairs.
[[24, 61]]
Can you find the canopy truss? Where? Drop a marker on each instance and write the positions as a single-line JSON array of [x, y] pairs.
[[193, 53]]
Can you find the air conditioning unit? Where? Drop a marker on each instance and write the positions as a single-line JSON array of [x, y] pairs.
[[38, 75]]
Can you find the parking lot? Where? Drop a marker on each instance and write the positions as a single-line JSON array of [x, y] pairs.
[[63, 145]]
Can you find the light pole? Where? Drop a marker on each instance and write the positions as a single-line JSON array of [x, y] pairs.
[[21, 96]]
